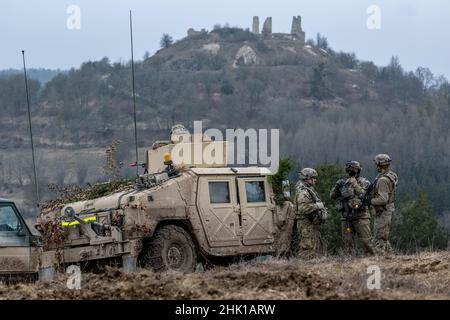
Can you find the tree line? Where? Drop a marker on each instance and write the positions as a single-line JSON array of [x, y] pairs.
[[330, 109]]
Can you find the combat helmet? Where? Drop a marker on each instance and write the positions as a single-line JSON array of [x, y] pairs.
[[308, 173], [382, 160], [353, 167]]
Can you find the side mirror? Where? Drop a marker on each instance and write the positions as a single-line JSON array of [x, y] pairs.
[[20, 230]]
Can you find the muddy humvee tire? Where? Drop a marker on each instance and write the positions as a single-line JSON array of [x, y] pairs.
[[171, 248]]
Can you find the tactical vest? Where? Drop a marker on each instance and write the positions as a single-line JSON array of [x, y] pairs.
[[350, 204], [318, 216], [393, 179], [362, 182], [311, 192]]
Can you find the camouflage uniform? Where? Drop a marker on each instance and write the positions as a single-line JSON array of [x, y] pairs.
[[309, 231], [357, 224], [383, 198]]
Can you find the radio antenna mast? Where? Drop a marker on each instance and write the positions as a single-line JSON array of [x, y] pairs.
[[36, 183], [134, 95]]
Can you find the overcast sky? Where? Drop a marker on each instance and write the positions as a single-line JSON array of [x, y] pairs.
[[415, 31]]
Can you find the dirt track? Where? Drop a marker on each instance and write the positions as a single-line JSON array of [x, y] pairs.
[[424, 276]]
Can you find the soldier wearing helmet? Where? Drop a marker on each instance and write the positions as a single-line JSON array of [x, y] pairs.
[[382, 200], [349, 195], [311, 213]]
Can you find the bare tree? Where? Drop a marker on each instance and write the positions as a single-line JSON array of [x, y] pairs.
[[322, 42], [426, 77]]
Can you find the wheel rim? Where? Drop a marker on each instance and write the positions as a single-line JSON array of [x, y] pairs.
[[175, 256]]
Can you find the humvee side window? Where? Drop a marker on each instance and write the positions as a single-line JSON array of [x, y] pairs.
[[8, 219], [255, 191], [219, 192]]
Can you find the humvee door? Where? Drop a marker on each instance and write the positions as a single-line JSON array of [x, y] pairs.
[[15, 242], [256, 211], [219, 210]]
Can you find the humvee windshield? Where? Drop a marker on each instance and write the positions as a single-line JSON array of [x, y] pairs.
[[11, 229], [8, 219]]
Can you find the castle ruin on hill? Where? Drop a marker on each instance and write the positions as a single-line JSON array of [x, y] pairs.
[[297, 34], [296, 31]]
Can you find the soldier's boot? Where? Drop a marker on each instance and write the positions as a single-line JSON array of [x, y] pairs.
[[383, 248], [389, 250], [306, 254], [308, 249], [376, 245], [368, 249]]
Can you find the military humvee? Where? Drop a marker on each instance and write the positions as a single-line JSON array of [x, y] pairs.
[[176, 215], [20, 249]]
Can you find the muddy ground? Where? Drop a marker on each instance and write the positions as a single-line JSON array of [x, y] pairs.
[[423, 276]]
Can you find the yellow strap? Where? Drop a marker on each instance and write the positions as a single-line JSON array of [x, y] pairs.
[[74, 223]]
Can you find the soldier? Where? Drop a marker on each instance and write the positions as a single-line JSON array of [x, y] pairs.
[[311, 213], [383, 197], [350, 195]]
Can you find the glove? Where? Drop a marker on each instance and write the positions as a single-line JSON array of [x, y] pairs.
[[320, 205]]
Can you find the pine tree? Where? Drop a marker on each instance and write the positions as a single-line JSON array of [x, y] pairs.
[[319, 83], [166, 41], [416, 227], [276, 180], [331, 231]]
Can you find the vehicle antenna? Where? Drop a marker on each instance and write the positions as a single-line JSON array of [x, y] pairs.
[[134, 95], [36, 183]]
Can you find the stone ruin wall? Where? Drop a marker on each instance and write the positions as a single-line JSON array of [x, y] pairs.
[[297, 33]]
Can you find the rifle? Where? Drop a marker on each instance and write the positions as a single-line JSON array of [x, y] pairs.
[[344, 207], [346, 213], [368, 196], [317, 216]]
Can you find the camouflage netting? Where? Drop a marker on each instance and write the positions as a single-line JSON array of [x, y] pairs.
[[53, 234], [71, 194], [49, 221]]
